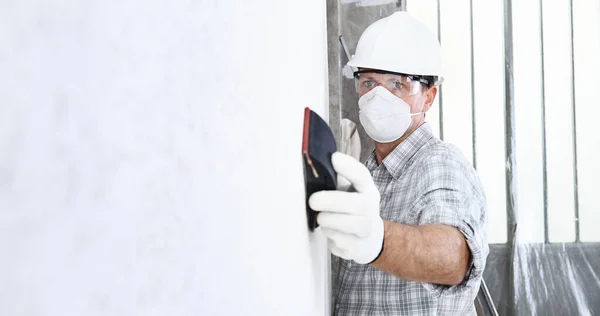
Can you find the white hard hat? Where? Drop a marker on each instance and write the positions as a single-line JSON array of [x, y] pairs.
[[402, 44]]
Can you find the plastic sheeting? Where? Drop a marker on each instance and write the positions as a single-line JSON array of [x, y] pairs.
[[557, 279], [545, 279]]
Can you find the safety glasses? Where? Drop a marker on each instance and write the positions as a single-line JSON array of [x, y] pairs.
[[400, 85]]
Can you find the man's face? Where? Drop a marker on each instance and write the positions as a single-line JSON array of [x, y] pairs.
[[416, 94]]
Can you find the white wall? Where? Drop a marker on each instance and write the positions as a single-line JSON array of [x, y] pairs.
[[150, 157]]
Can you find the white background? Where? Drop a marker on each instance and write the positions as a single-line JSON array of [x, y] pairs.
[[150, 157]]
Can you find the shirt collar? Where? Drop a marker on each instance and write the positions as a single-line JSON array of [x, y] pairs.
[[396, 161]]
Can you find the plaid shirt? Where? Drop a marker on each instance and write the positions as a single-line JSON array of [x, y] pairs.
[[423, 181]]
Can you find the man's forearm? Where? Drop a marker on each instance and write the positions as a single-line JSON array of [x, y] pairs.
[[429, 253]]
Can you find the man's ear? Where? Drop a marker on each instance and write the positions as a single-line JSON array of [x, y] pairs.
[[429, 98]]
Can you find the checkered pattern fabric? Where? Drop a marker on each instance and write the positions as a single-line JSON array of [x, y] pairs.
[[423, 181]]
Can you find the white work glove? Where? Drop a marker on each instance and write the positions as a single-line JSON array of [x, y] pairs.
[[351, 220]]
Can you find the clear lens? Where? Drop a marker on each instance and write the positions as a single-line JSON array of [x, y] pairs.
[[401, 86]]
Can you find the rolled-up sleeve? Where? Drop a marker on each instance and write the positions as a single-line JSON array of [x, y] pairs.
[[451, 194]]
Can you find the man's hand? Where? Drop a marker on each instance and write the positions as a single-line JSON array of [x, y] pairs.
[[351, 220]]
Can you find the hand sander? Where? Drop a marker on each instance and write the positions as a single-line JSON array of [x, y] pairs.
[[318, 144]]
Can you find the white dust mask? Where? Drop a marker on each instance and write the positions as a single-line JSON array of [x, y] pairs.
[[384, 116]]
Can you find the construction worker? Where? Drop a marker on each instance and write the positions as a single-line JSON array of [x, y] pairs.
[[411, 231]]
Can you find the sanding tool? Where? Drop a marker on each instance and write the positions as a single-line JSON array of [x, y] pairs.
[[318, 145]]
